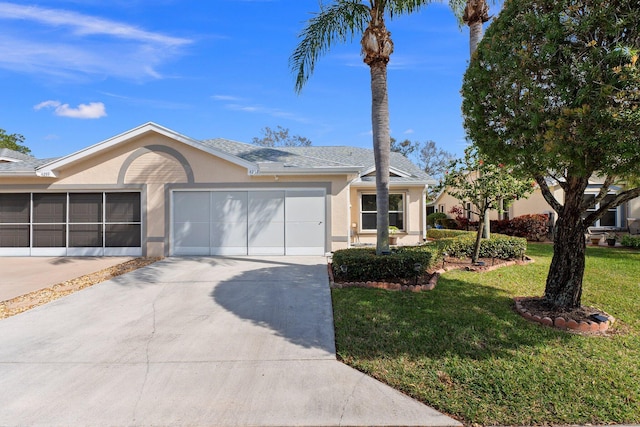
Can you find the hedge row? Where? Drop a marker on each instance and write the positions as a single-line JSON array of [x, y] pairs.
[[531, 227], [357, 264], [441, 233], [631, 241], [498, 246]]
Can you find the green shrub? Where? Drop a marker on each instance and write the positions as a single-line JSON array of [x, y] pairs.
[[531, 227], [448, 223], [362, 264], [631, 241], [438, 233], [433, 217], [499, 246]]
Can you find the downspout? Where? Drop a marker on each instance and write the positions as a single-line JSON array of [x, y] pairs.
[[423, 210]]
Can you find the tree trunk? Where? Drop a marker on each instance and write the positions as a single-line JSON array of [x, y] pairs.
[[381, 150], [564, 281], [476, 246], [475, 35]]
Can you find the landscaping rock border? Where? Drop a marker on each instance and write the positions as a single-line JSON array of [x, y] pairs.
[[584, 326]]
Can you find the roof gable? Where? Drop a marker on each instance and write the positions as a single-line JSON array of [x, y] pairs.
[[49, 169]]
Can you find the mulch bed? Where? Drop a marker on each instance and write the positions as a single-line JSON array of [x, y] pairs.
[[34, 299]]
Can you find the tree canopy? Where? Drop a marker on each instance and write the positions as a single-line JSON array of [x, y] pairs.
[[487, 186], [280, 138], [13, 142], [553, 92]]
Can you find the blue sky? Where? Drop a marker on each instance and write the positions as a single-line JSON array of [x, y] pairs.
[[76, 72]]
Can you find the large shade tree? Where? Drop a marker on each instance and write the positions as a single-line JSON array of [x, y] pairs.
[[341, 21], [554, 91]]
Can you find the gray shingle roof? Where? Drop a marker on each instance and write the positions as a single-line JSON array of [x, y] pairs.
[[291, 158], [14, 155], [319, 156], [24, 166]]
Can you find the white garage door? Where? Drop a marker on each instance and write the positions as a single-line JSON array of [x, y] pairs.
[[273, 222]]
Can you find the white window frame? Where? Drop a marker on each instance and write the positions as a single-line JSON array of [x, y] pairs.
[[617, 210], [404, 211]]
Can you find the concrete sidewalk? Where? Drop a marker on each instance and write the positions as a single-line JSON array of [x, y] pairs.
[[21, 275], [193, 341]]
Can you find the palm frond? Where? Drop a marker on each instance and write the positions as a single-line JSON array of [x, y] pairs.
[[339, 22]]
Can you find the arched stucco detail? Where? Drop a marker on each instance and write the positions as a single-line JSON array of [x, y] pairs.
[[156, 149]]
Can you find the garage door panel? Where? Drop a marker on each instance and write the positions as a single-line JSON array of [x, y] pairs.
[[266, 223], [229, 206], [305, 206], [304, 238], [191, 206], [305, 231], [266, 238], [229, 223], [191, 238]]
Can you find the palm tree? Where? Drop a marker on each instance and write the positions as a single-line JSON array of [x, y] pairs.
[[341, 21], [476, 13]]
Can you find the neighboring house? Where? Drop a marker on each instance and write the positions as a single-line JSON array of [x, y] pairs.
[[536, 204], [153, 192]]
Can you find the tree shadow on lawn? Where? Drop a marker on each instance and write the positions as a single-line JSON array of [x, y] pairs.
[[459, 318]]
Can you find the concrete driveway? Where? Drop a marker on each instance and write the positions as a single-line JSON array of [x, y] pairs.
[[193, 342], [21, 275]]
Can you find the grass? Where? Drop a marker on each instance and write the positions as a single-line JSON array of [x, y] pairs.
[[463, 350]]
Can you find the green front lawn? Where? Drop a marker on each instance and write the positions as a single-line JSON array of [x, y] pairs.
[[463, 350]]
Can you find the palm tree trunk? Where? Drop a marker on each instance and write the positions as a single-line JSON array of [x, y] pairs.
[[475, 35], [381, 150]]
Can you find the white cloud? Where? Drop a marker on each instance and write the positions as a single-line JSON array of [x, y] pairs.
[[68, 44], [258, 109], [226, 98], [92, 110], [409, 131], [85, 24]]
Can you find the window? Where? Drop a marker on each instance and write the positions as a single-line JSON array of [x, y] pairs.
[[369, 211], [610, 218]]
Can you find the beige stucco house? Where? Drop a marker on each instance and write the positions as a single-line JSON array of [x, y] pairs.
[[535, 203], [151, 191]]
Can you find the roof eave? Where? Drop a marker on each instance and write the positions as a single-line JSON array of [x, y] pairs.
[[308, 171], [360, 183]]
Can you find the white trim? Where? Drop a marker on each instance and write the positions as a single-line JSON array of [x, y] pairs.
[[49, 169], [392, 170], [405, 217], [283, 170], [8, 159], [367, 184], [48, 252], [14, 252], [305, 251], [85, 251], [117, 251]]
